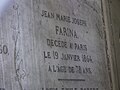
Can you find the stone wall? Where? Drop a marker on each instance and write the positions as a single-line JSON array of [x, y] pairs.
[[53, 45], [114, 34]]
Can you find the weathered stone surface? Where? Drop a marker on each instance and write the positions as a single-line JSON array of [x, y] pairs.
[[53, 45], [114, 30]]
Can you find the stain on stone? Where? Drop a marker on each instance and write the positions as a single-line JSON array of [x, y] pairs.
[[99, 31], [119, 36], [15, 6]]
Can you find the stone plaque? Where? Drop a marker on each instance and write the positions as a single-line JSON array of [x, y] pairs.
[[53, 45]]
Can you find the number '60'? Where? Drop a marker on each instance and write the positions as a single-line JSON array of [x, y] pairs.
[[3, 49]]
